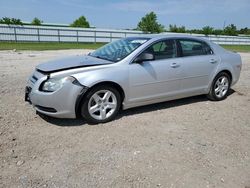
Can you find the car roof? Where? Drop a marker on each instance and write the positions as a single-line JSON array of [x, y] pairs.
[[169, 35]]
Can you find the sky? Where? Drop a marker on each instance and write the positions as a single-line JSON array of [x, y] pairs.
[[121, 14]]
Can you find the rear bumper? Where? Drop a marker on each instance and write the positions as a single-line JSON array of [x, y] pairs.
[[236, 74]]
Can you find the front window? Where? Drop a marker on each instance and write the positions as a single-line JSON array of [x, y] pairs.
[[163, 50], [119, 49]]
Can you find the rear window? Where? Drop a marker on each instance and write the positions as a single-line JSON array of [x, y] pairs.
[[194, 48]]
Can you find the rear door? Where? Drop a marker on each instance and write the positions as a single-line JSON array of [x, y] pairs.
[[198, 62]]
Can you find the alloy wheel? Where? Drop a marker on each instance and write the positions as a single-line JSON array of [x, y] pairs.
[[221, 86], [102, 104]]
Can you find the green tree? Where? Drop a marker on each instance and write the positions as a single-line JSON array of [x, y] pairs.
[[149, 24], [36, 21], [231, 30], [196, 31], [173, 28], [245, 31], [218, 32], [182, 29], [207, 30], [80, 22], [15, 21], [5, 20], [176, 29]]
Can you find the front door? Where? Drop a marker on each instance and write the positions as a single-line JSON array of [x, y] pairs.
[[157, 78]]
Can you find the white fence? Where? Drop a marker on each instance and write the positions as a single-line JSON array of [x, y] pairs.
[[69, 34], [60, 34]]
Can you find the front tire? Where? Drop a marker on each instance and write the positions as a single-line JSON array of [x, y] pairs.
[[101, 104], [220, 87]]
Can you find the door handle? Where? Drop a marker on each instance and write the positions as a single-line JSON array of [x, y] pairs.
[[213, 61], [174, 65]]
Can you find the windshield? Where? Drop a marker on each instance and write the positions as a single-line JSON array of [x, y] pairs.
[[119, 49]]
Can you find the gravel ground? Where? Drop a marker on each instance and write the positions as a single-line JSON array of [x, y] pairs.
[[190, 142]]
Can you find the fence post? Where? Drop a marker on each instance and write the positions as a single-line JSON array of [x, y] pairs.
[[58, 34], [94, 36], [125, 34], [15, 33], [77, 36], [38, 34], [110, 36]]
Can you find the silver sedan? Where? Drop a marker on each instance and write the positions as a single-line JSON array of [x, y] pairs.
[[132, 72]]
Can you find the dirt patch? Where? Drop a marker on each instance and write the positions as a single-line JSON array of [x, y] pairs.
[[190, 142]]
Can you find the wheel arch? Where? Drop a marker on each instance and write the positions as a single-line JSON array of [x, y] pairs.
[[228, 72], [211, 93], [81, 96]]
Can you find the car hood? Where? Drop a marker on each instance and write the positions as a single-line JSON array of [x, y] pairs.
[[71, 62]]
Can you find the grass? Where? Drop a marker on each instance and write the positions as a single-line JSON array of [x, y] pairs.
[[237, 48], [64, 45], [47, 45]]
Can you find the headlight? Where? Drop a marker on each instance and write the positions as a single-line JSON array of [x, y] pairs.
[[54, 84]]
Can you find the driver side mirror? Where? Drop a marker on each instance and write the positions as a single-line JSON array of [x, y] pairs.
[[144, 57]]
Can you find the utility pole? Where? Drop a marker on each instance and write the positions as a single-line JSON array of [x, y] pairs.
[[224, 24]]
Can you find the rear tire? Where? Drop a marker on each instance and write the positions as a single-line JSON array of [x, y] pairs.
[[101, 104], [220, 87]]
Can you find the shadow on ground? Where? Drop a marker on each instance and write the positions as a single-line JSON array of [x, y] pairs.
[[62, 121], [133, 111]]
